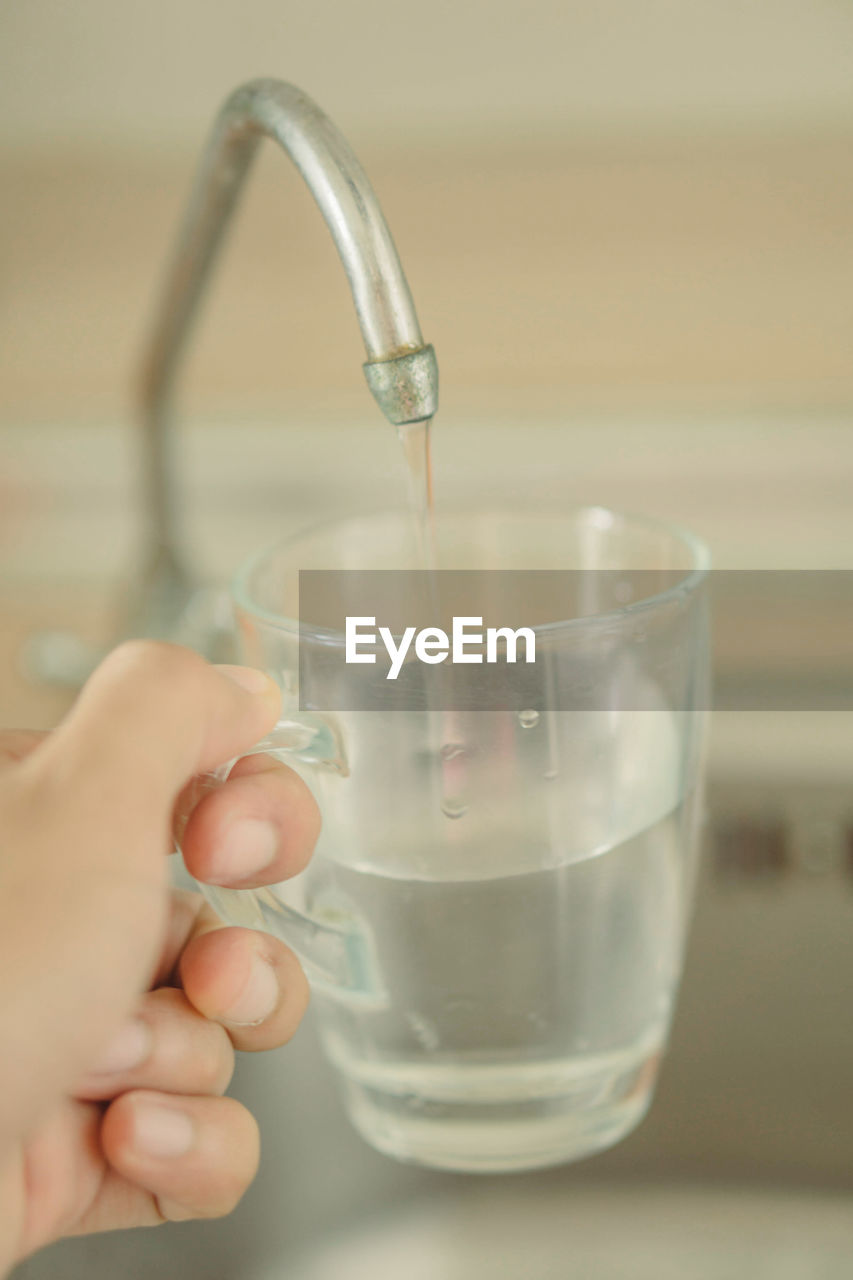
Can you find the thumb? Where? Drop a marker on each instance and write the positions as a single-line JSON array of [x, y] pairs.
[[86, 819]]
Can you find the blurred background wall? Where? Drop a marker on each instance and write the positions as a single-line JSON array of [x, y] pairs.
[[595, 203], [149, 73]]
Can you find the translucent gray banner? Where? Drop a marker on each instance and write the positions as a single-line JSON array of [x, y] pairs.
[[575, 640]]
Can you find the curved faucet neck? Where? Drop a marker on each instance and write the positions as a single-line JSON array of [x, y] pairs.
[[401, 370]]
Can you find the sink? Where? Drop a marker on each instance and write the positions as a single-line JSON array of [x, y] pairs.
[[647, 1233], [744, 1165]]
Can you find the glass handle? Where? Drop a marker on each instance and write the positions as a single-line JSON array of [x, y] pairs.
[[336, 950]]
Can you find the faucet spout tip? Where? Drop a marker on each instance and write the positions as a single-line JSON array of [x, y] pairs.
[[405, 386]]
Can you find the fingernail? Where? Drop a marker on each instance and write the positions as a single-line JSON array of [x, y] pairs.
[[129, 1048], [161, 1132], [246, 848], [257, 999], [250, 679]]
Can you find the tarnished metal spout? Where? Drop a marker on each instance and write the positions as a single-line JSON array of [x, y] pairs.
[[401, 370]]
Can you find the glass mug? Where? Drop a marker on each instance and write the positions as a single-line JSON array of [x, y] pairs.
[[493, 922]]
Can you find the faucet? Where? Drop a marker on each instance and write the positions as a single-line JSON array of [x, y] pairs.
[[400, 369]]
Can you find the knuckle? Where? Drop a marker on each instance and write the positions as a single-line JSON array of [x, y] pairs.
[[216, 1067], [198, 1050], [156, 660]]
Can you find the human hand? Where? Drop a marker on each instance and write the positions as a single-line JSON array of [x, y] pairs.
[[121, 1003]]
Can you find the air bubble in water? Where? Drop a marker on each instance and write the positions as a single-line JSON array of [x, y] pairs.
[[453, 807], [451, 750], [528, 719]]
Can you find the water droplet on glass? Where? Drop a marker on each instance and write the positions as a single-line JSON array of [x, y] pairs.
[[453, 807], [425, 1031], [451, 750], [528, 719]]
